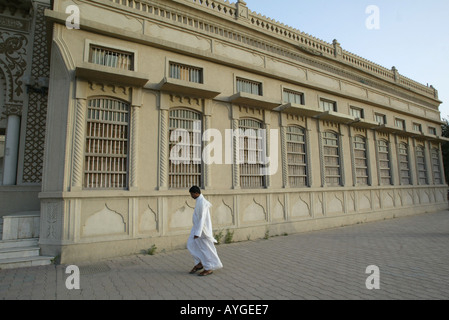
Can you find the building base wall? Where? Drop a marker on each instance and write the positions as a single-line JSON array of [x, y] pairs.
[[15, 199], [91, 228]]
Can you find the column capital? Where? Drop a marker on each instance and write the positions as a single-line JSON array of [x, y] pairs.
[[13, 109]]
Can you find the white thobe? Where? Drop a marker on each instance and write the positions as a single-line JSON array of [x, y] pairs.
[[203, 249]]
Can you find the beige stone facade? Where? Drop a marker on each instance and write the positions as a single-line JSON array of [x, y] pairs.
[[327, 138]]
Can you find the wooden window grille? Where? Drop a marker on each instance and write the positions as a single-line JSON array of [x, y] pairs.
[[296, 157], [436, 168], [293, 97], [404, 167], [185, 167], [111, 58], [384, 162], [421, 165], [186, 73], [251, 153], [332, 159], [360, 160], [249, 86], [107, 140]]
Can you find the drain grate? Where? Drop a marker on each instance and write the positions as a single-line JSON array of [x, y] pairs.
[[94, 269]]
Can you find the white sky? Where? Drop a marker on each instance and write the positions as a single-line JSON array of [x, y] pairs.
[[413, 35]]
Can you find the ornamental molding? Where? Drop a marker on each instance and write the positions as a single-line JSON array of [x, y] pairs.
[[13, 63]]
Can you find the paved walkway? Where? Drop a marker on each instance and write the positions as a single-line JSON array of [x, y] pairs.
[[412, 255]]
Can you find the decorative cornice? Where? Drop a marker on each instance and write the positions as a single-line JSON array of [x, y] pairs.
[[310, 44]]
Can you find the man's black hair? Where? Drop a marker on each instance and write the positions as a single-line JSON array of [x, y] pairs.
[[195, 189]]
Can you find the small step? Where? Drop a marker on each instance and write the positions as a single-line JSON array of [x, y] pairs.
[[5, 244], [12, 263], [21, 225], [20, 252]]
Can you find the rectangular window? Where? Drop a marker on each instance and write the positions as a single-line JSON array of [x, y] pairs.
[[417, 127], [357, 112], [186, 73], [328, 105], [251, 151], [399, 123], [185, 132], [106, 157], [296, 157], [111, 58], [380, 118], [433, 131], [249, 86], [293, 97]]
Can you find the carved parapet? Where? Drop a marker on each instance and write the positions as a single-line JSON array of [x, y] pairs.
[[395, 74], [302, 41], [242, 10], [338, 53]]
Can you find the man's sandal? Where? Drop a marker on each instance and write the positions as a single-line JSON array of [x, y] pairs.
[[195, 269], [206, 273]]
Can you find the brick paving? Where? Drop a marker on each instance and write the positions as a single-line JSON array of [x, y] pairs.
[[411, 253]]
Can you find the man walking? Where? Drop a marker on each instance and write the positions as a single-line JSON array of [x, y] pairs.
[[201, 243]]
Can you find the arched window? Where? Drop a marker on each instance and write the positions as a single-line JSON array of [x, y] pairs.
[[107, 142], [421, 165], [384, 162], [296, 157], [251, 152], [404, 166], [332, 165], [360, 160], [185, 133], [436, 168]]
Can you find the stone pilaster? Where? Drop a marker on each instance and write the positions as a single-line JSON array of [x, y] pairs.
[[78, 147]]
